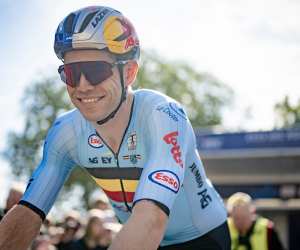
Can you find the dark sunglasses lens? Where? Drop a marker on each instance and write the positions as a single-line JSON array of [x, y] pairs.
[[71, 74], [96, 72]]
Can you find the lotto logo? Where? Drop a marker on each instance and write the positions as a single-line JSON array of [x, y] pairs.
[[165, 178], [171, 138]]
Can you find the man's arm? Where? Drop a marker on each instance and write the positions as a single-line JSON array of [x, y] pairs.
[[18, 228], [144, 229]]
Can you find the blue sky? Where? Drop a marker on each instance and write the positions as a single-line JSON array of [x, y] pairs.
[[251, 45]]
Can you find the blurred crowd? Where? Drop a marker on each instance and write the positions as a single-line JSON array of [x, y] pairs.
[[98, 227], [94, 231]]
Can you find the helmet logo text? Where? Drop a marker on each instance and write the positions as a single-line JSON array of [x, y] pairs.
[[99, 17]]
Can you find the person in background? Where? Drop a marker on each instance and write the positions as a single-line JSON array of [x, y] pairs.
[[42, 242], [15, 194], [100, 202], [111, 230], [95, 237], [71, 225], [249, 231]]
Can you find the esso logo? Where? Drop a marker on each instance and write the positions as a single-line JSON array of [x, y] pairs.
[[95, 141], [166, 179]]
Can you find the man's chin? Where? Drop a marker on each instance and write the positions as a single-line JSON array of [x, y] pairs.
[[91, 118]]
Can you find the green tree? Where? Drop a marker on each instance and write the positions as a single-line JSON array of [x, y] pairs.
[[43, 101], [202, 95], [287, 113]]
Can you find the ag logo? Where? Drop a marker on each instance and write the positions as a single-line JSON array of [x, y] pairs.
[[166, 179], [95, 141], [93, 160]]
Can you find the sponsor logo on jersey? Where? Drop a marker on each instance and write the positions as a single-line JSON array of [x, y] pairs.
[[133, 158], [167, 110], [131, 141], [171, 138], [106, 160], [178, 110], [166, 179], [197, 174], [93, 160], [205, 198], [172, 110], [95, 141]]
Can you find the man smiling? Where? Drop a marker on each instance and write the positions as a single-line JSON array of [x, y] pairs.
[[138, 146]]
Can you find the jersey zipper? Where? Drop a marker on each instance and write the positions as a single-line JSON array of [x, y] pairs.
[[117, 154], [122, 187]]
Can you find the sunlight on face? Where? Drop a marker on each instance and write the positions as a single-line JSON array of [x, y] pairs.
[[94, 102]]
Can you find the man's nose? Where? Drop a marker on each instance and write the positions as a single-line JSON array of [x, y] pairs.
[[84, 84]]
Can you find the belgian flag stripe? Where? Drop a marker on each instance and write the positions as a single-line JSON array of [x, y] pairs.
[[129, 173], [119, 196], [114, 185]]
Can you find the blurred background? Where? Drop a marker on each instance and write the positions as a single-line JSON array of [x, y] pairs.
[[234, 65]]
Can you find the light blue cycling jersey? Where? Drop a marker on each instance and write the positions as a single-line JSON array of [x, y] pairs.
[[157, 160]]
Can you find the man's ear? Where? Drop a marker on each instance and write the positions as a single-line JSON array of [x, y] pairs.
[[130, 70]]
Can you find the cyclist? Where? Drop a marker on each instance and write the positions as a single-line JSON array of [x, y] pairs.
[[139, 147]]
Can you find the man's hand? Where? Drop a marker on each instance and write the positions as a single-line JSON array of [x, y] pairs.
[[144, 229], [18, 228]]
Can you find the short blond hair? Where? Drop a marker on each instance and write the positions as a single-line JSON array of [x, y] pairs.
[[238, 199]]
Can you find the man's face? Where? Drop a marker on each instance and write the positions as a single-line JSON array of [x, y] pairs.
[[97, 228], [242, 217], [94, 102]]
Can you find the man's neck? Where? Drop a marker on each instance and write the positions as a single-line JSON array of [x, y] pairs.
[[112, 131]]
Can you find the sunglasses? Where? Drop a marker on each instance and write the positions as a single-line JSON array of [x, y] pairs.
[[94, 71]]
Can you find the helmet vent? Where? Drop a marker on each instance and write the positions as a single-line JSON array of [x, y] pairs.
[[68, 25], [87, 21]]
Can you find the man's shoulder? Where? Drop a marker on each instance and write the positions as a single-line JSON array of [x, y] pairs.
[[151, 94], [63, 126], [69, 116], [148, 98], [67, 119], [150, 101]]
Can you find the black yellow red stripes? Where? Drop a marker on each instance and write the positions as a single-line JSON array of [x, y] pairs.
[[110, 179]]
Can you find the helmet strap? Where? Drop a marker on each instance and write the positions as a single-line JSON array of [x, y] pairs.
[[122, 99]]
